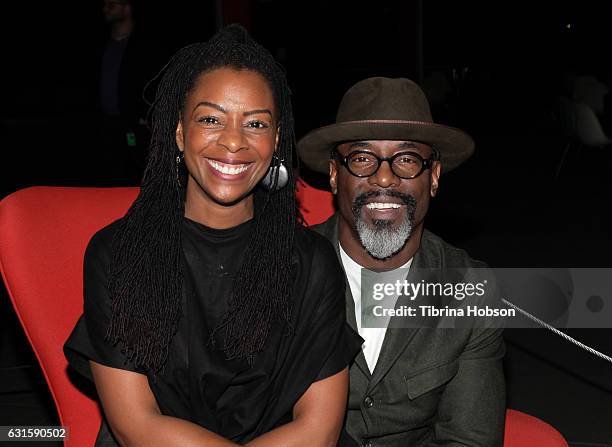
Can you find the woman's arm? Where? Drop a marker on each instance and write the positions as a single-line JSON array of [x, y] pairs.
[[317, 416], [135, 418]]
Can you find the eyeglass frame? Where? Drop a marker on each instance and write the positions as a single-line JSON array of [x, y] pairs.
[[426, 163]]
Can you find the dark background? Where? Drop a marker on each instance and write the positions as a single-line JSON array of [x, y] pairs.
[[505, 65]]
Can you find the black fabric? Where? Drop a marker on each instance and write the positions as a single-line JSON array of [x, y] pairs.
[[198, 384], [109, 79]]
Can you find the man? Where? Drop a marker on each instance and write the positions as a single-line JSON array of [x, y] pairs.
[[130, 57], [409, 386], [120, 68]]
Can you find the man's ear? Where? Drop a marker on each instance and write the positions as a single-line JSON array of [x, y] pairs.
[[180, 140], [436, 169], [333, 176]]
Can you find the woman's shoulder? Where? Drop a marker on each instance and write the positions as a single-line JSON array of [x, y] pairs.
[[101, 242], [312, 245]]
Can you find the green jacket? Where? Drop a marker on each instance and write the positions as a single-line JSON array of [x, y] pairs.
[[442, 387]]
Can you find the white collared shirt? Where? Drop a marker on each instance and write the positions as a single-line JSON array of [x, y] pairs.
[[373, 337]]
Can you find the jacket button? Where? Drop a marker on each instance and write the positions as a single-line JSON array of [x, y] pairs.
[[368, 402], [368, 444]]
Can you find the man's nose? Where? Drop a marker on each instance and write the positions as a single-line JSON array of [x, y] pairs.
[[232, 138], [384, 177]]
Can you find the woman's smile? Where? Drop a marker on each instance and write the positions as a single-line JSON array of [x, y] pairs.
[[233, 170]]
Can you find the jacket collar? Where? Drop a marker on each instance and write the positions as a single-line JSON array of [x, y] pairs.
[[397, 338]]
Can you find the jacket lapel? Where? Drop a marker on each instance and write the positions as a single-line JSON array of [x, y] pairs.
[[397, 338], [329, 229], [360, 360]]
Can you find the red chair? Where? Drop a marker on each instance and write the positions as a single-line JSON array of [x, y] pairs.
[[316, 205], [43, 235], [523, 430]]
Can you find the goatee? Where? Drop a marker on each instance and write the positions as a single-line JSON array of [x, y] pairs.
[[383, 240]]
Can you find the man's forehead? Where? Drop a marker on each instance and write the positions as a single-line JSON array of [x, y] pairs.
[[385, 145]]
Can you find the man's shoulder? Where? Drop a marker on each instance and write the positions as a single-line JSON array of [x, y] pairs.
[[327, 228], [441, 252], [314, 246]]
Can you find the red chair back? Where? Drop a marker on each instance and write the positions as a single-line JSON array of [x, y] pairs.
[[43, 235], [316, 205]]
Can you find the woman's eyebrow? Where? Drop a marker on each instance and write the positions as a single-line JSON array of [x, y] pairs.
[[210, 104], [222, 109], [256, 111]]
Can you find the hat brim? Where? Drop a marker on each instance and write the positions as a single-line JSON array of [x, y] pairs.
[[454, 145]]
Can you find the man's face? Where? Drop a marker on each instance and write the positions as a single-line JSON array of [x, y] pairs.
[[383, 210], [115, 10]]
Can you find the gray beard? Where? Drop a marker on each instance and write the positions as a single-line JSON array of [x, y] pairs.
[[383, 241]]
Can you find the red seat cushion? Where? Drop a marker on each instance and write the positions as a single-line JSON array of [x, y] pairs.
[[523, 430]]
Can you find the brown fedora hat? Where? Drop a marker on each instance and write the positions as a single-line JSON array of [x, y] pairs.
[[385, 109]]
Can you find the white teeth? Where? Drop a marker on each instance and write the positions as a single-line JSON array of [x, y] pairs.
[[227, 169], [382, 206]]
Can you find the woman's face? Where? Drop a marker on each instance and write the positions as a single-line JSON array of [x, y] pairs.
[[228, 134]]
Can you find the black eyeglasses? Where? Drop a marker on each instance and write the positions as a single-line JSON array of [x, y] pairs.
[[405, 165]]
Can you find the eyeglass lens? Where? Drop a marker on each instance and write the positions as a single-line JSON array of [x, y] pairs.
[[404, 165]]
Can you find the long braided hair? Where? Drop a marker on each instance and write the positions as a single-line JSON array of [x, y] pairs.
[[145, 277]]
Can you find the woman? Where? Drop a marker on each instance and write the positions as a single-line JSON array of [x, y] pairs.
[[211, 317]]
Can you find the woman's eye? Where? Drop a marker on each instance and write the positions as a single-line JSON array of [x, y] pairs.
[[257, 125], [208, 120]]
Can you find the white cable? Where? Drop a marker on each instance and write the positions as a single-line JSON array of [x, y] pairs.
[[558, 332]]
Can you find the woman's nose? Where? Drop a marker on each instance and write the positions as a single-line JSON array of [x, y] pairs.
[[232, 138]]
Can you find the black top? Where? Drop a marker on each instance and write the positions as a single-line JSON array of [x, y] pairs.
[[230, 398]]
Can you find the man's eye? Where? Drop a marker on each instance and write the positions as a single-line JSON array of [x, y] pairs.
[[362, 158], [208, 120], [257, 125], [406, 160]]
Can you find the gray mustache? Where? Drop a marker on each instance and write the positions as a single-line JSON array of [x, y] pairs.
[[361, 200]]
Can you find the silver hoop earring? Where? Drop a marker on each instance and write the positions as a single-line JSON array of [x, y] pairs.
[[277, 177], [179, 159]]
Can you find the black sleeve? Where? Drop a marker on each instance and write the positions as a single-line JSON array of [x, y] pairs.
[[87, 340], [341, 341]]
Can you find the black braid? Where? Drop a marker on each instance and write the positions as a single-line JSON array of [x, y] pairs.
[[145, 278]]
